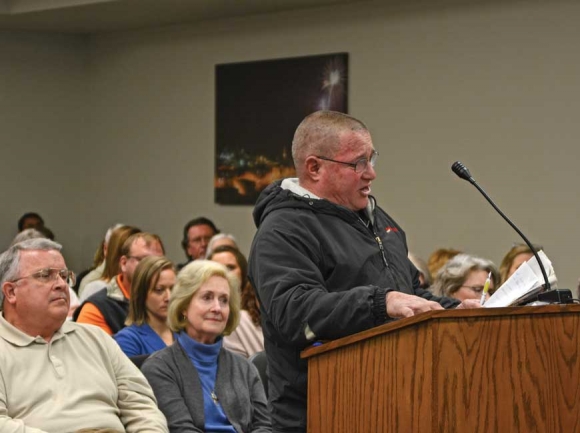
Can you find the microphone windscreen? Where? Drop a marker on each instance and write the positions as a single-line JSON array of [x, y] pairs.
[[460, 170]]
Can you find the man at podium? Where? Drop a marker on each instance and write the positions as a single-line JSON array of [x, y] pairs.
[[326, 261]]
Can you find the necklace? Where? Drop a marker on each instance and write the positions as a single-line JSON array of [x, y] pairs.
[[214, 397]]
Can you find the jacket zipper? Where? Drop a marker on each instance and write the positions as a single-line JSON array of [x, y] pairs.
[[377, 240], [380, 243]]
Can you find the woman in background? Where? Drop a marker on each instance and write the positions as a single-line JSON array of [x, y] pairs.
[[438, 258], [424, 274], [514, 258], [199, 385], [463, 277], [118, 238], [248, 337], [96, 272], [147, 330]]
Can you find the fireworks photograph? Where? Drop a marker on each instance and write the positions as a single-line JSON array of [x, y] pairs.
[[258, 107]]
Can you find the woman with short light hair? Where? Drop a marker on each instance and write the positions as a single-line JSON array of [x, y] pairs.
[[463, 277], [199, 385]]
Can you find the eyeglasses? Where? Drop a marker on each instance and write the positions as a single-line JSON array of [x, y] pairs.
[[50, 275], [200, 239], [479, 289], [358, 166]]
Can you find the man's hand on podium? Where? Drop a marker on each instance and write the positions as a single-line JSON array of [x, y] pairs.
[[401, 305]]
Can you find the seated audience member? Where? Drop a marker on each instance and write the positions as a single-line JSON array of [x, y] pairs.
[[109, 307], [111, 269], [96, 272], [196, 236], [30, 220], [438, 258], [463, 277], [147, 330], [219, 240], [58, 376], [199, 385], [27, 234], [424, 274], [248, 337], [514, 258]]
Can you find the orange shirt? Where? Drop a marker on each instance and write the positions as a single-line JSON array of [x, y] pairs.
[[92, 315]]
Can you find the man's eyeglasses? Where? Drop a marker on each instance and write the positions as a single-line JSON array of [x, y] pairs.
[[50, 275], [358, 166]]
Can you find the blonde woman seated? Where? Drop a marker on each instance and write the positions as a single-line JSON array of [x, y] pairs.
[[147, 330], [199, 385], [463, 277]]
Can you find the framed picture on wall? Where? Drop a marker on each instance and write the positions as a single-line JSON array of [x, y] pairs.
[[258, 107]]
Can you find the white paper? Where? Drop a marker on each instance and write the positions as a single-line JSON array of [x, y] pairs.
[[526, 279]]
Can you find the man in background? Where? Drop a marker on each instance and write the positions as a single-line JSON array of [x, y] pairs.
[[57, 376], [30, 220], [196, 236], [108, 308]]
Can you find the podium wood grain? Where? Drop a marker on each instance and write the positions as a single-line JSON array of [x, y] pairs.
[[486, 370]]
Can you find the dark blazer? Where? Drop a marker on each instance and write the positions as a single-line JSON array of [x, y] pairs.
[[177, 387]]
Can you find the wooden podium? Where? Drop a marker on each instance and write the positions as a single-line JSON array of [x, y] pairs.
[[485, 370]]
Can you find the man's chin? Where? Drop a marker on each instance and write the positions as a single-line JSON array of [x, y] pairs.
[[362, 204]]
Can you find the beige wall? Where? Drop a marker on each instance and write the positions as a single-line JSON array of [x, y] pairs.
[[494, 85], [43, 95]]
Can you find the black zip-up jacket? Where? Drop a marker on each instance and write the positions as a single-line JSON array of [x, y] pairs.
[[321, 272]]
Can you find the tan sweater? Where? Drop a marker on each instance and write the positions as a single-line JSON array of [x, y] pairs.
[[80, 379]]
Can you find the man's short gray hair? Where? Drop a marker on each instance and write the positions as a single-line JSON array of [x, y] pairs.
[[27, 234], [10, 259], [319, 134]]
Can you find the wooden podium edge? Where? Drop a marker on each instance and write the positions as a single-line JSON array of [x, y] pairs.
[[436, 315]]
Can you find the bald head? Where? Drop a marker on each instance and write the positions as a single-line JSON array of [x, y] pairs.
[[319, 134]]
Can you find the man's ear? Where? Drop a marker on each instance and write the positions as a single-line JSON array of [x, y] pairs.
[[313, 166], [9, 291]]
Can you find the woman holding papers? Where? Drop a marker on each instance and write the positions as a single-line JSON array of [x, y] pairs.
[[463, 277]]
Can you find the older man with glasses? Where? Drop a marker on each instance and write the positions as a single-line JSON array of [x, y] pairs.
[[55, 375], [326, 261]]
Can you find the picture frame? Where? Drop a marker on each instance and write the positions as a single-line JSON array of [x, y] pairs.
[[259, 105]]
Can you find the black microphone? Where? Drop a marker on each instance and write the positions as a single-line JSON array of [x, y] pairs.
[[461, 170]]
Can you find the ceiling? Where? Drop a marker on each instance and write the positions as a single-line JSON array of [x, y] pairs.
[[96, 16]]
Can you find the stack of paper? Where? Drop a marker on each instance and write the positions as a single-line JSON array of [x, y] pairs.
[[524, 283]]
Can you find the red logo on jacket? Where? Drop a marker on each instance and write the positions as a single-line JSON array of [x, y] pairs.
[[391, 229]]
